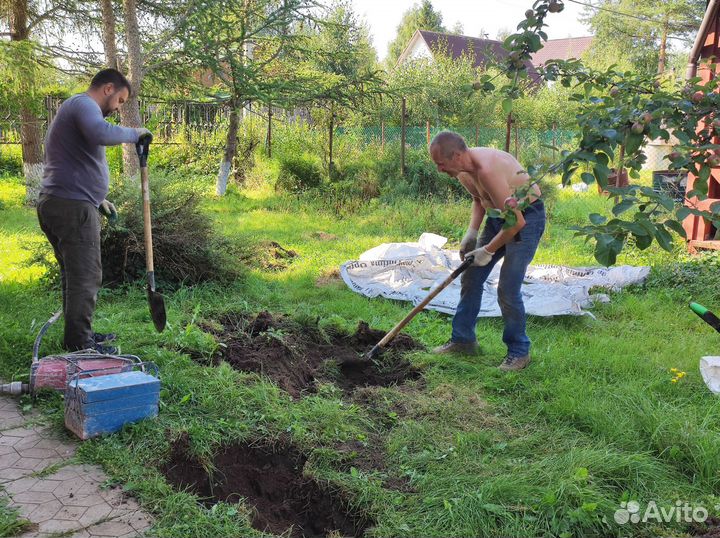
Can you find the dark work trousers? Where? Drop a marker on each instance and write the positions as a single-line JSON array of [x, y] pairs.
[[73, 229]]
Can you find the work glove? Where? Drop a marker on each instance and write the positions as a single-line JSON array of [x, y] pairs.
[[141, 131], [469, 242], [108, 210], [482, 256]]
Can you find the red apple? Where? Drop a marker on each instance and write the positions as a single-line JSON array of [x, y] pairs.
[[637, 128], [646, 117], [675, 156], [614, 92], [510, 202], [529, 14], [697, 97], [713, 161]]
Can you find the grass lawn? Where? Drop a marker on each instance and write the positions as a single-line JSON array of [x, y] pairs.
[[595, 421]]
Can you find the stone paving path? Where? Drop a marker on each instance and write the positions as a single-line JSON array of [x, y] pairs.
[[65, 498]]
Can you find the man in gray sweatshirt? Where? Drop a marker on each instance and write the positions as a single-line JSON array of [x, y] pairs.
[[74, 188]]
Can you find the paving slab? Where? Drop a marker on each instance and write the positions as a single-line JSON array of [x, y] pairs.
[[69, 501]]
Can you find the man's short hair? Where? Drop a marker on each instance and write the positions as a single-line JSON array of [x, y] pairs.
[[449, 143], [110, 76]]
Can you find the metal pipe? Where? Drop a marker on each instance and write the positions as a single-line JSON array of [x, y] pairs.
[[710, 14], [16, 388]]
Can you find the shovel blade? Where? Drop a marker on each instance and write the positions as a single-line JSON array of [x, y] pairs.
[[157, 309]]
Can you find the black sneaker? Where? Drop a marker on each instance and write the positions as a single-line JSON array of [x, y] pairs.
[[106, 350], [101, 338]]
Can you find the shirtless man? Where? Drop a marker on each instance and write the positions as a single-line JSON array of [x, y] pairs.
[[491, 177]]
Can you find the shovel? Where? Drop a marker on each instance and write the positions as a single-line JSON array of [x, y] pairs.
[[155, 299], [389, 337]]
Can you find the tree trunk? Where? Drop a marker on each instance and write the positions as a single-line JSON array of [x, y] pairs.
[[108, 33], [130, 111], [230, 150], [663, 46], [30, 132]]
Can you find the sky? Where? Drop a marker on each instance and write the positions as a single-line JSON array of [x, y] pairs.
[[490, 16]]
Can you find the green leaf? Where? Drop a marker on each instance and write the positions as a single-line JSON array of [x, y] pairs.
[[634, 227], [604, 254], [682, 213], [676, 227], [587, 178], [602, 173], [643, 241], [597, 219], [633, 142], [704, 173], [507, 105], [610, 133], [622, 207], [664, 239]]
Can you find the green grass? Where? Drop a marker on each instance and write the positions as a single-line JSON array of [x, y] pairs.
[[11, 524], [550, 451]]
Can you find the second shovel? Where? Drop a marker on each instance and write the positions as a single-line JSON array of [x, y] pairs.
[[155, 300]]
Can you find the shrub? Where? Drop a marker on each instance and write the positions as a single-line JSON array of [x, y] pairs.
[[11, 160], [186, 249], [298, 174], [421, 175]]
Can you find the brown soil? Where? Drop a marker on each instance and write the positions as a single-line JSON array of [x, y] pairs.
[[295, 357], [324, 236], [266, 255], [269, 478], [709, 529]]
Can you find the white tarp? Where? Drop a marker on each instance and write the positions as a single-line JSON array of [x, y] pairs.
[[408, 271]]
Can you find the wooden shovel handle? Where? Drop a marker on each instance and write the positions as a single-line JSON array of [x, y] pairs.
[[395, 330], [146, 219]]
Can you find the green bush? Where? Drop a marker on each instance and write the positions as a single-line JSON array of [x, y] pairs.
[[11, 160], [185, 247], [421, 176], [298, 174]]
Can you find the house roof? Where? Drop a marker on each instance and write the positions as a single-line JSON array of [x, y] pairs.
[[486, 50], [561, 49], [457, 45]]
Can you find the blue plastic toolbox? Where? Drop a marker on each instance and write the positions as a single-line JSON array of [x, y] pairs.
[[100, 405]]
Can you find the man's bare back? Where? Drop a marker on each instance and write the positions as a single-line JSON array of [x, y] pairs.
[[494, 165]]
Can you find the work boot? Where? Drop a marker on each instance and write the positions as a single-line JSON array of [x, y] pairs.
[[461, 348], [511, 364], [101, 338]]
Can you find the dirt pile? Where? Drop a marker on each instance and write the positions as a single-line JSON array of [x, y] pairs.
[[296, 357]]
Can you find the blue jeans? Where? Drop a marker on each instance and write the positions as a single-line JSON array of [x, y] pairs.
[[518, 254]]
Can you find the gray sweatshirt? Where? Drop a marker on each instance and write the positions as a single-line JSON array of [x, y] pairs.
[[75, 163]]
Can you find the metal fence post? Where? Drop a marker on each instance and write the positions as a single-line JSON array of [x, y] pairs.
[[269, 131], [332, 127], [402, 139]]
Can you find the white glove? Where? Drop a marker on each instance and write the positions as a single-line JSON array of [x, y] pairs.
[[482, 256], [469, 242], [108, 209], [142, 131]]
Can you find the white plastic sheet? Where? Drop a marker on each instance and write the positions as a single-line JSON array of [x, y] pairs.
[[408, 271], [710, 372]]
